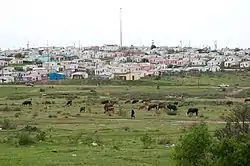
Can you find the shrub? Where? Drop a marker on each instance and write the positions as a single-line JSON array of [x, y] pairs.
[[30, 128], [164, 141], [24, 138], [194, 147], [41, 136], [42, 90], [7, 125], [147, 141]]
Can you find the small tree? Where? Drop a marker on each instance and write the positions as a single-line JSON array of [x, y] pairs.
[[237, 123], [234, 139], [194, 147]]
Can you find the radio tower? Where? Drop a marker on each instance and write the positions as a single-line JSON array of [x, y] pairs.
[[120, 27], [215, 45]]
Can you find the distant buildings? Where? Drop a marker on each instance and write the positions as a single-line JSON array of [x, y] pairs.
[[109, 62]]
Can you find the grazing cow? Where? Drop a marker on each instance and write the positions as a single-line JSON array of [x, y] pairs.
[[192, 110], [246, 100], [132, 114], [108, 109], [134, 101], [82, 109], [161, 105], [176, 103], [27, 102], [151, 106], [69, 103], [105, 102], [142, 107], [172, 107], [229, 103], [127, 101]]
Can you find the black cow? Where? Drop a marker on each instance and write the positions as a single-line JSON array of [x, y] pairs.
[[82, 109], [105, 102], [27, 102], [132, 114], [176, 103], [172, 107], [127, 101], [192, 110], [134, 101], [69, 103]]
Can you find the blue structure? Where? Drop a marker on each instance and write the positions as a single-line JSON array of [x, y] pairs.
[[56, 76]]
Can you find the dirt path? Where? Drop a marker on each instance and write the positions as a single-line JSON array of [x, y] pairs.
[[238, 91], [174, 121]]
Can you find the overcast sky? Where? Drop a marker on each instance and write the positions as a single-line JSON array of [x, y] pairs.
[[96, 22]]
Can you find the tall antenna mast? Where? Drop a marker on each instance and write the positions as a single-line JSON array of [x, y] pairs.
[[215, 45], [121, 27]]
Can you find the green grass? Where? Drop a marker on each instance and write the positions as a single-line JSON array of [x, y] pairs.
[[118, 136]]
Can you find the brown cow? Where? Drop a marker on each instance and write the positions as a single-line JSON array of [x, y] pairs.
[[108, 106], [142, 107], [151, 106], [108, 109], [229, 103]]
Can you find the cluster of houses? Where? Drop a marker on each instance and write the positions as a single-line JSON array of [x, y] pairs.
[[113, 62]]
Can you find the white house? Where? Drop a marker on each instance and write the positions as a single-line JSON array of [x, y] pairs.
[[3, 63], [230, 63], [109, 47], [6, 79], [212, 68], [198, 62], [245, 64], [51, 66], [214, 63], [79, 75], [16, 61]]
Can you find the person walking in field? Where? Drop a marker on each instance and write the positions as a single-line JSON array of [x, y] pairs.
[[132, 114]]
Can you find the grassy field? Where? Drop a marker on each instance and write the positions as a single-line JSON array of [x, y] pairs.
[[70, 134]]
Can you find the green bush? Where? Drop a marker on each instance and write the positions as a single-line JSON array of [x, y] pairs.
[[164, 141], [24, 138], [7, 125], [193, 148], [147, 141], [42, 90], [41, 136]]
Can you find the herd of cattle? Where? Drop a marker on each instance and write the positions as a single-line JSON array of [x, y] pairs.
[[109, 105], [146, 104]]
